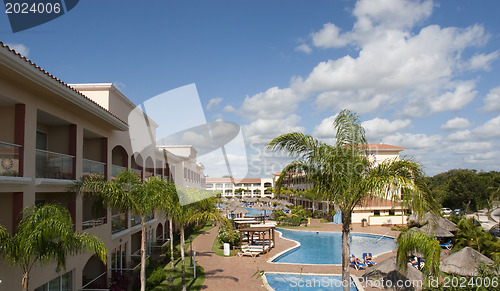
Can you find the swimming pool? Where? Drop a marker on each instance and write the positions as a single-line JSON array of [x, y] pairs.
[[282, 282], [326, 247]]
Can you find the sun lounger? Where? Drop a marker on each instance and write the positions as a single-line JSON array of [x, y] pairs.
[[368, 262], [247, 251], [356, 263], [447, 245]]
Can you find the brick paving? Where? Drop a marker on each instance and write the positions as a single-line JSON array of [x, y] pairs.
[[237, 273]]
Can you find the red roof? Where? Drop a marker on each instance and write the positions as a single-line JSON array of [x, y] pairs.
[[59, 80], [384, 147], [378, 202]]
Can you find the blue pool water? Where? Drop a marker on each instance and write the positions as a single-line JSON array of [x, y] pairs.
[[285, 282], [326, 247], [256, 211]]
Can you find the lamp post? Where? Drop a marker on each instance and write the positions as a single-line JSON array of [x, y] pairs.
[[170, 281], [191, 251]]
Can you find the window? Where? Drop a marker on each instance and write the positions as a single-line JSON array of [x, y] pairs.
[[218, 185], [61, 283], [41, 140], [376, 212], [392, 212], [228, 185], [210, 185]]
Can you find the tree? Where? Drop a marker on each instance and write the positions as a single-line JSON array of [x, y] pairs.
[[342, 171], [202, 209], [127, 193], [45, 233], [413, 242]]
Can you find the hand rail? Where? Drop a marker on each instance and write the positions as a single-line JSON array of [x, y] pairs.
[[11, 144], [54, 153]]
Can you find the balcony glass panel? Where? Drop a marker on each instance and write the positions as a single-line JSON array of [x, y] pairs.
[[9, 159], [93, 167], [93, 222], [118, 222], [116, 169], [135, 220], [54, 165]]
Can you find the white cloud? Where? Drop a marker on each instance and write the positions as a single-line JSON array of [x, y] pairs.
[[482, 61], [378, 128], [20, 48], [390, 13], [483, 158], [418, 141], [329, 37], [490, 129], [456, 100], [470, 147], [456, 123], [460, 135], [273, 103], [492, 100], [264, 130], [325, 129], [213, 102], [304, 48], [229, 108]]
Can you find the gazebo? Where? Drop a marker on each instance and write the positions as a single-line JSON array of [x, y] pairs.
[[259, 238]]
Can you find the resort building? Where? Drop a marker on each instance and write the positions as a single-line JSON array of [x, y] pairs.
[[373, 212], [240, 188], [54, 133]]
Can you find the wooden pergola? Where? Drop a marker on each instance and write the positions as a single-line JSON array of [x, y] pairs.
[[259, 243]]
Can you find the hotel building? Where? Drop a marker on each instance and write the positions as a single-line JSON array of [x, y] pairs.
[[52, 134], [241, 188]]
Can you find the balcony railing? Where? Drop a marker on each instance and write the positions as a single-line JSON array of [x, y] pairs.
[[96, 284], [54, 165], [116, 169], [118, 222], [93, 222], [135, 220], [9, 159], [93, 167]]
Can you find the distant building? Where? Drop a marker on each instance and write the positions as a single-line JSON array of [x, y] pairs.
[[240, 188]]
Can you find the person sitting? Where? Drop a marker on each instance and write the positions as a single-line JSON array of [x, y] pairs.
[[368, 259]]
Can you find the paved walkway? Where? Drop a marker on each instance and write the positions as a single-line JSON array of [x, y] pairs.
[[235, 273]]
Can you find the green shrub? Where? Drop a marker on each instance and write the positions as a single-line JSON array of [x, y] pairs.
[[228, 235], [156, 277]]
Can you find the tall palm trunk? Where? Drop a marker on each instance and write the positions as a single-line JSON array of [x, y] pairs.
[[183, 259], [25, 279], [143, 253], [171, 228], [346, 249]]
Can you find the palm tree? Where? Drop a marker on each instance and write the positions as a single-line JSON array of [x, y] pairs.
[[416, 243], [45, 233], [126, 192], [197, 212], [342, 171]]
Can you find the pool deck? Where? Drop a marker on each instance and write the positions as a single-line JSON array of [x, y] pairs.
[[234, 273]]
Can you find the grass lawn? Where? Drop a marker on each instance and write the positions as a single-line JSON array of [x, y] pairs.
[[176, 273]]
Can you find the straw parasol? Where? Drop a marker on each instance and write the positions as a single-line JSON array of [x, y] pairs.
[[446, 224], [464, 262], [240, 210], [435, 230], [282, 207], [265, 199], [284, 202], [388, 271], [265, 208]]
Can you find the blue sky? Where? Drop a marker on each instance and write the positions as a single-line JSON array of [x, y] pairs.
[[421, 74]]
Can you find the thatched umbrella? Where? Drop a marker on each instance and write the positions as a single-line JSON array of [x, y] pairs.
[[265, 208], [265, 199], [446, 224], [388, 271], [282, 207], [250, 199], [464, 262], [240, 210], [284, 202], [425, 218], [435, 230]]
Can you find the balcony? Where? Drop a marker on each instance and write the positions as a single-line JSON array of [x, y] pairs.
[[116, 169], [9, 159], [54, 165], [93, 167], [93, 222], [135, 220], [118, 222]]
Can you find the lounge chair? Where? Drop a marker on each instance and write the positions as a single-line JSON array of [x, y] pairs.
[[356, 263], [369, 261], [447, 245], [247, 251]]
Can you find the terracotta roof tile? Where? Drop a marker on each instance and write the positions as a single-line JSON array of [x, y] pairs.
[[59, 80]]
